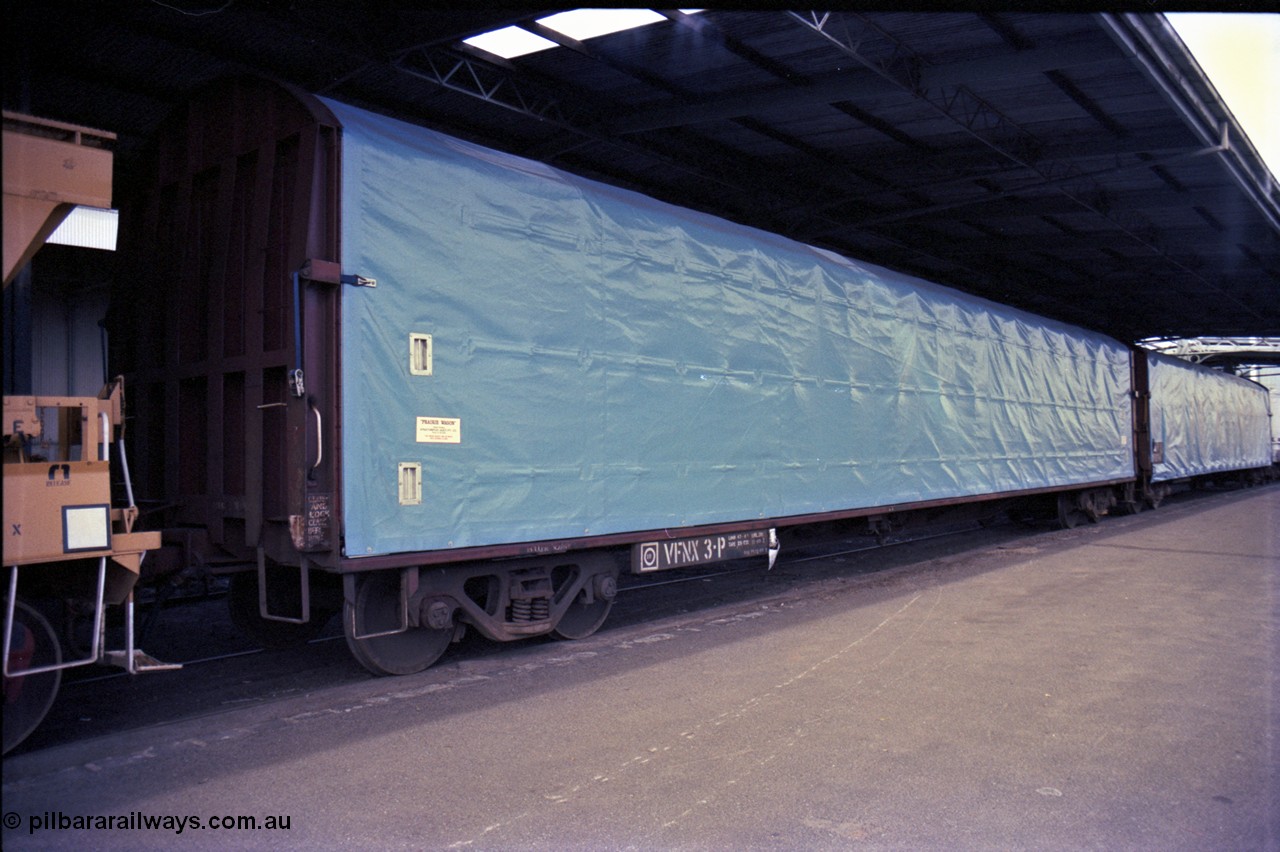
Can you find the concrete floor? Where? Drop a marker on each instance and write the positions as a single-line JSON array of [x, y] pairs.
[[1110, 687]]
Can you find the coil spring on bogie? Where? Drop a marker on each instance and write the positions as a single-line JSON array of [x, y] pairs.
[[530, 609], [521, 610]]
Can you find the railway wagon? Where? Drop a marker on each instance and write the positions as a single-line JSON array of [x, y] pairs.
[[1202, 424], [439, 386]]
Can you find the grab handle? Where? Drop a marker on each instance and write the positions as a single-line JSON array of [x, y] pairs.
[[319, 441]]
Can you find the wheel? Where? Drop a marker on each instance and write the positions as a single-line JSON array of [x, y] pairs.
[[1130, 502], [1132, 507], [27, 698], [1068, 515], [582, 619], [376, 610], [242, 602]]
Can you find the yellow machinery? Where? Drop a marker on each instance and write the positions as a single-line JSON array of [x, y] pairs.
[[64, 536], [49, 168]]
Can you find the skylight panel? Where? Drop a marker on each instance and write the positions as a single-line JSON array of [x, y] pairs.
[[510, 42], [582, 24], [577, 24], [88, 227]]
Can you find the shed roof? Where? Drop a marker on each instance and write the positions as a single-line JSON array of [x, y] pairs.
[[1080, 166]]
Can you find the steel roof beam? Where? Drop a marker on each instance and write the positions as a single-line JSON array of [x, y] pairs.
[[855, 86], [502, 84], [484, 80], [993, 129], [1169, 67], [1021, 189]]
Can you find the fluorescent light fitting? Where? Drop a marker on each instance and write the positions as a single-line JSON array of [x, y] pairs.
[[582, 24], [510, 42]]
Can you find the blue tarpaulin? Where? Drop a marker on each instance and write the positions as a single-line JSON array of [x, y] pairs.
[[602, 362], [1204, 421]]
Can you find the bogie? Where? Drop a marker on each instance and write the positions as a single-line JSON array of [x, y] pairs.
[[399, 622]]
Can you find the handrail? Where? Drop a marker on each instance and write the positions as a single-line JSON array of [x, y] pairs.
[[95, 649]]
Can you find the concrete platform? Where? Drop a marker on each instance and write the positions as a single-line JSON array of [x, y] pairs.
[[1110, 687]]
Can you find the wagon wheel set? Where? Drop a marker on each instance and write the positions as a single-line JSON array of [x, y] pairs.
[[566, 602], [401, 622]]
